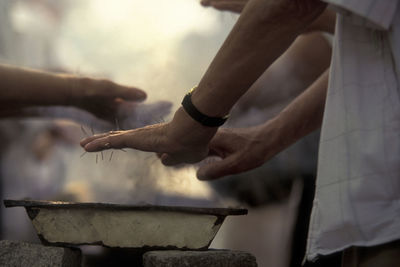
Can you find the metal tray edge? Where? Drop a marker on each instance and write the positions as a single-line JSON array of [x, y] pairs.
[[9, 203]]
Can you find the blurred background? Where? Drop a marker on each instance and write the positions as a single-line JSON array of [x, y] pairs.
[[162, 47]]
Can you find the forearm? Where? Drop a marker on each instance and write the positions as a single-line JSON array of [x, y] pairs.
[[263, 32], [22, 87], [301, 117]]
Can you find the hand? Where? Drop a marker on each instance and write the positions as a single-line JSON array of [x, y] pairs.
[[240, 150], [29, 87], [182, 140], [245, 149], [103, 98], [226, 5]]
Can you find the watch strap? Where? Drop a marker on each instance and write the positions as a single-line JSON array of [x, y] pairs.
[[198, 116]]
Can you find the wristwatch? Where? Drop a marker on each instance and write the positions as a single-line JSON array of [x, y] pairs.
[[198, 116]]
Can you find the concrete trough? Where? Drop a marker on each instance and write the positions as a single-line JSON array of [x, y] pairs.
[[125, 226]]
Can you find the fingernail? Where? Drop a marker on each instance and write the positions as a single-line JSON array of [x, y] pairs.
[[88, 148], [82, 142], [202, 177], [107, 145]]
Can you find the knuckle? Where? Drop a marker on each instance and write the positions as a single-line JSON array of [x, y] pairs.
[[112, 140]]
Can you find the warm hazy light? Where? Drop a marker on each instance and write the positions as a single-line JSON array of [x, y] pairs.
[[130, 38], [135, 42], [140, 43]]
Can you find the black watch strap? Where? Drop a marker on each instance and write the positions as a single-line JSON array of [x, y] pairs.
[[198, 116]]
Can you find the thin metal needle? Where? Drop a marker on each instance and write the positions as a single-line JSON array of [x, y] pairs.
[[84, 131], [117, 124]]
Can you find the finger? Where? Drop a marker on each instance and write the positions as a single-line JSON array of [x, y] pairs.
[[89, 139], [227, 6], [218, 169], [205, 2], [220, 144], [168, 160], [215, 152], [130, 93], [106, 142], [225, 2], [150, 138]]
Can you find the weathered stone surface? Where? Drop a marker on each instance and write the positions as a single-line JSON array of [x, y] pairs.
[[126, 229], [210, 258], [17, 254]]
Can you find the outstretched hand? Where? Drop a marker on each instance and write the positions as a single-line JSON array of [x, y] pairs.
[[29, 87], [180, 141], [226, 5], [102, 98]]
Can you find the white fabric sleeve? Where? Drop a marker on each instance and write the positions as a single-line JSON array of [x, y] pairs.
[[371, 13]]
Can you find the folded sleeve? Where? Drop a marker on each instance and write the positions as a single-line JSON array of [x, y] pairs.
[[374, 13]]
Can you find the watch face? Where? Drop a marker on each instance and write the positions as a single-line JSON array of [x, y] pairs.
[[191, 90]]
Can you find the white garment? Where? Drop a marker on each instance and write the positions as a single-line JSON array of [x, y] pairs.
[[357, 199]]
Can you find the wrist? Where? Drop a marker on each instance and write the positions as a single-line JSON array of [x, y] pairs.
[[52, 89], [74, 91], [189, 126], [197, 115]]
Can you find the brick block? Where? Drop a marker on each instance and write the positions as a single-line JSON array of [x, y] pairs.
[[16, 254]]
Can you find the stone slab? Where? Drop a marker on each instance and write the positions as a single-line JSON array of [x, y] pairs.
[[209, 258], [16, 254]]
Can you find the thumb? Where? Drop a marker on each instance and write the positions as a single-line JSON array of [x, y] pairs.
[[234, 7], [168, 160], [130, 93], [205, 2], [217, 169]]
